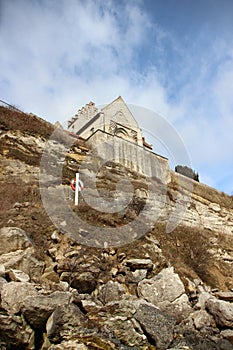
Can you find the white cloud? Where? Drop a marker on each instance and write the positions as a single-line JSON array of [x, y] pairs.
[[56, 56]]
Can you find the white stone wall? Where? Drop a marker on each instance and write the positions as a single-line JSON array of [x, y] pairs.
[[130, 155]]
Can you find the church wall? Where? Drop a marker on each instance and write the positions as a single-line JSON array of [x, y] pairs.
[[83, 116], [130, 155], [98, 124]]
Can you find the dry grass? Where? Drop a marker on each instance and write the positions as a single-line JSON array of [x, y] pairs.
[[189, 251], [201, 190], [13, 120]]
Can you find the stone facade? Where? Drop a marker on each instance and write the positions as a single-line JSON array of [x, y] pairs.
[[132, 156], [115, 126], [115, 119]]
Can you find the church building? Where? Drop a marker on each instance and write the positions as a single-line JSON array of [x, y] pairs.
[[114, 119]]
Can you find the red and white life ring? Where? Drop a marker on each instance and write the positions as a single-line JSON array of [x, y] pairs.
[[73, 185]]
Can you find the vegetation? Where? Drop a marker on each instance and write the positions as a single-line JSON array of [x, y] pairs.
[[186, 171]]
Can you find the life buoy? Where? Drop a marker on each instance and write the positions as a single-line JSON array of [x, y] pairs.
[[73, 185]]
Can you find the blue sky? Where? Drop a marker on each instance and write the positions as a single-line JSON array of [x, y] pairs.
[[174, 57]]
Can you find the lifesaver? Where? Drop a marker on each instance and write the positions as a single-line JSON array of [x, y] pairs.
[[73, 185]]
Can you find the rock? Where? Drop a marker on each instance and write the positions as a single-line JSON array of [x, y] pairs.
[[68, 345], [23, 260], [84, 282], [18, 276], [2, 270], [114, 271], [227, 296], [203, 297], [55, 237], [157, 324], [215, 207], [180, 308], [50, 274], [190, 287], [66, 320], [14, 293], [66, 277], [136, 276], [166, 286], [201, 319], [227, 334], [2, 282], [111, 291], [222, 312], [227, 257], [137, 264], [37, 308], [15, 332], [12, 239], [53, 252], [63, 286], [116, 319], [90, 306]]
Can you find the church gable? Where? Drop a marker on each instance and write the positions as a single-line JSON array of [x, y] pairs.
[[115, 119], [118, 112]]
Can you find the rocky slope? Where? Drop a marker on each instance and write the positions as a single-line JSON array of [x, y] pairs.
[[159, 291]]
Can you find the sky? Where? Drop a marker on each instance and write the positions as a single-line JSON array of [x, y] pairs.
[[171, 57]]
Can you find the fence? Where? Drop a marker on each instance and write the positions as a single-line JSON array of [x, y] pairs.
[[5, 104]]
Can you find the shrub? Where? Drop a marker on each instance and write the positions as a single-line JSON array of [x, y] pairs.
[[186, 171]]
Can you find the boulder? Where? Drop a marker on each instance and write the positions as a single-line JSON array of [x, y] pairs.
[[180, 308], [137, 264], [203, 297], [12, 239], [116, 319], [24, 260], [18, 276], [201, 319], [156, 324], [2, 270], [222, 312], [66, 320], [84, 282], [37, 308], [15, 332], [50, 274], [227, 296], [136, 276], [14, 293], [227, 334], [166, 286], [111, 291]]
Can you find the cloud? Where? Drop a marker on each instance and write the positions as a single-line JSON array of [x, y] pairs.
[[58, 55]]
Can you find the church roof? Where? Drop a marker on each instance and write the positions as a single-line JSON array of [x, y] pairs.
[[89, 123]]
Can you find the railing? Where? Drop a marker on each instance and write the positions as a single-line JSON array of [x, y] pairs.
[[5, 104]]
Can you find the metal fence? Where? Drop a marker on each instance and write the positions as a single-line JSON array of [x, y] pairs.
[[7, 105]]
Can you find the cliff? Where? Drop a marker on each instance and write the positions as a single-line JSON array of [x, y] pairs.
[[156, 274]]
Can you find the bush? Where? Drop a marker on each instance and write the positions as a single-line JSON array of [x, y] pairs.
[[186, 171]]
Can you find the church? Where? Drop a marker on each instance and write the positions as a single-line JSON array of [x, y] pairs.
[[114, 119], [114, 125]]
